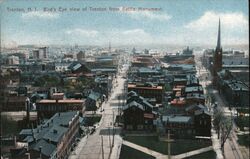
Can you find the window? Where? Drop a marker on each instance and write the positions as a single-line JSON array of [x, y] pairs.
[[139, 127], [129, 127]]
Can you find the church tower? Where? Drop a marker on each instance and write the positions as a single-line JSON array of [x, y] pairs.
[[217, 58]]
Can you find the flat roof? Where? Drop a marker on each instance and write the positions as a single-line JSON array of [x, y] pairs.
[[176, 119], [58, 94], [60, 101], [143, 87]]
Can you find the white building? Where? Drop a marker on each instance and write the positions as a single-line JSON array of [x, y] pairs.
[[13, 60]]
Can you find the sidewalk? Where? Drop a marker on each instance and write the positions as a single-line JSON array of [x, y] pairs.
[[144, 149], [195, 152], [231, 147], [163, 156]]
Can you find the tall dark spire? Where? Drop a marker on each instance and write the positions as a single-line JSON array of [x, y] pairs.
[[218, 40], [217, 58]]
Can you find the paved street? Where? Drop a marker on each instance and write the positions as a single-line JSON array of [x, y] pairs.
[[99, 144]]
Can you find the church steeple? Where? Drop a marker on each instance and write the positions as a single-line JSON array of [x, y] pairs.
[[217, 59], [218, 47]]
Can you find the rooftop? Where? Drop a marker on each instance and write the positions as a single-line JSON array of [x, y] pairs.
[[144, 87], [45, 101], [193, 89], [48, 134], [176, 119]]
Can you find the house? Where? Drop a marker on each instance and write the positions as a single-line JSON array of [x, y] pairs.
[[179, 126], [147, 90], [93, 101], [138, 114], [103, 84], [190, 110], [78, 67], [193, 98], [202, 123]]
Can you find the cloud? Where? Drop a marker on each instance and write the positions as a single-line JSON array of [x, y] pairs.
[[134, 32], [148, 15], [20, 38], [234, 28], [210, 19], [82, 32], [116, 35], [40, 15]]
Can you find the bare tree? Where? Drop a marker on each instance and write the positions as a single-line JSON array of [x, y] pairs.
[[218, 117], [223, 126], [226, 127]]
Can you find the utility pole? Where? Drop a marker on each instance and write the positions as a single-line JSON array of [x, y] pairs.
[[113, 130], [169, 144], [109, 140], [102, 147], [119, 108]]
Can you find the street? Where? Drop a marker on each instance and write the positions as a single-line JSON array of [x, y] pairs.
[[231, 148], [105, 142]]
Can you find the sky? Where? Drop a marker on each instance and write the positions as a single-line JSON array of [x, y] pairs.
[[183, 22]]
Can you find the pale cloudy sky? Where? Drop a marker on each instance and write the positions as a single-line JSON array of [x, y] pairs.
[[184, 22]]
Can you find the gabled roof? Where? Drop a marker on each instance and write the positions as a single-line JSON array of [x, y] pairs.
[[131, 93], [139, 99], [133, 104], [94, 95], [74, 65], [47, 148], [199, 112], [195, 107]]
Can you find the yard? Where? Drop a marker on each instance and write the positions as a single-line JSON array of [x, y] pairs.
[[177, 146], [130, 153], [244, 140], [242, 121]]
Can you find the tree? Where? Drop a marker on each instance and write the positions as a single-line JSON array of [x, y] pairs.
[[218, 117], [223, 126], [226, 127]]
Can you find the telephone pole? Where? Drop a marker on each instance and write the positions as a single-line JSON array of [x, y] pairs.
[[169, 144], [168, 140], [113, 130], [109, 140], [102, 147]]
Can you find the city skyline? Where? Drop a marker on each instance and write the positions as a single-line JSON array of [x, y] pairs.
[[193, 23]]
